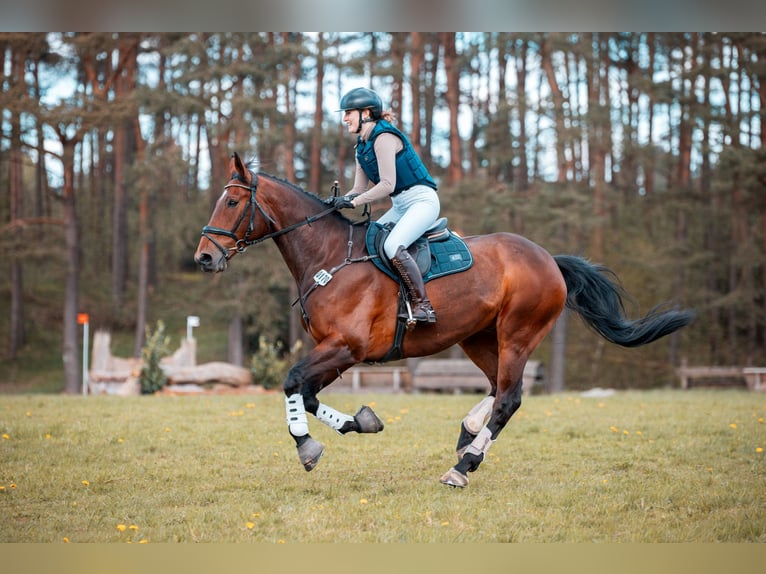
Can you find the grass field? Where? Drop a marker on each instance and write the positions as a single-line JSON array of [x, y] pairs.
[[656, 466]]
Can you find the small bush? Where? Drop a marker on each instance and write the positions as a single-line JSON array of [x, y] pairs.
[[271, 363], [152, 377]]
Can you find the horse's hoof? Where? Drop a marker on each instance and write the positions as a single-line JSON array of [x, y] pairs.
[[309, 452], [454, 478], [367, 420]]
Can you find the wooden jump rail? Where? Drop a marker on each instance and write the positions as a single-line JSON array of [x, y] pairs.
[[428, 375], [753, 378], [380, 379], [459, 375]]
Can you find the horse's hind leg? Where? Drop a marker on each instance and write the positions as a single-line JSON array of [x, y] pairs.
[[471, 425], [482, 350], [503, 408]]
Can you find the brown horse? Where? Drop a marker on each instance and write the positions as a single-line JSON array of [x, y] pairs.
[[498, 311]]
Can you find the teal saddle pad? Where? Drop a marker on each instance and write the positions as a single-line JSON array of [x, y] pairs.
[[444, 255]]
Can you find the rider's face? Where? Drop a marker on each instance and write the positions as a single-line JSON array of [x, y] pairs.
[[352, 118]]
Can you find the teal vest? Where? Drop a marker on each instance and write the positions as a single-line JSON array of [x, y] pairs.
[[410, 170]]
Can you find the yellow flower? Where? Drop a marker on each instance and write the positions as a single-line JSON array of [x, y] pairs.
[[250, 525], [167, 429], [613, 429], [12, 485], [759, 450], [733, 425], [122, 527], [133, 527], [625, 432], [85, 483], [250, 405], [280, 541], [2, 488], [363, 501], [65, 540], [48, 435], [143, 541], [6, 436]]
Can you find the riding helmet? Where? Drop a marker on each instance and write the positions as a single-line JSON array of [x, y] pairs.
[[362, 99]]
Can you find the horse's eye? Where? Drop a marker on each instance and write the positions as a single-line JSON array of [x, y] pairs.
[[232, 203]]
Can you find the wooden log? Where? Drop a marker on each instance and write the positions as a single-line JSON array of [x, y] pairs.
[[215, 372]]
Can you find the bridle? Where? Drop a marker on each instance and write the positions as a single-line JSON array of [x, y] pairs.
[[241, 244]]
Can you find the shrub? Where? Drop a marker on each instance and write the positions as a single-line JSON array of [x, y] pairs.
[[152, 377], [271, 363]]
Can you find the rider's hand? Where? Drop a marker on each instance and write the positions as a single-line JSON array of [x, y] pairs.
[[342, 202]]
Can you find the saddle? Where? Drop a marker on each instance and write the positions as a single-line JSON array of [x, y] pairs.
[[438, 252]]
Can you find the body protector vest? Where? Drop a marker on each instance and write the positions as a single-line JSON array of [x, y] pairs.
[[410, 170]]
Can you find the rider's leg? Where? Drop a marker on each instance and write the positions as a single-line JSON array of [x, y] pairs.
[[419, 208]]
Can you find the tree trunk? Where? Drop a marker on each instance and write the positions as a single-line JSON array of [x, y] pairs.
[[522, 175], [546, 62], [597, 146], [235, 354], [398, 48], [557, 371], [15, 181], [315, 159], [71, 357], [416, 65], [452, 70], [124, 85]]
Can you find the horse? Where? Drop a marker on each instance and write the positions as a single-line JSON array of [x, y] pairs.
[[497, 311]]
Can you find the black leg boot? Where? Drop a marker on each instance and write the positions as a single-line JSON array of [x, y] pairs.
[[413, 281]]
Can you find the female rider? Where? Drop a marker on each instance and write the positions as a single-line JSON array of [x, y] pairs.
[[386, 158]]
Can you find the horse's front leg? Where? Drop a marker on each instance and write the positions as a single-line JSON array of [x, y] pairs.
[[310, 375]]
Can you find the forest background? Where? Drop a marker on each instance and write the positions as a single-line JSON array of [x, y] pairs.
[[643, 151]]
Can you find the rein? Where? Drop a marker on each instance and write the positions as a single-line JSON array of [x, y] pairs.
[[242, 244]]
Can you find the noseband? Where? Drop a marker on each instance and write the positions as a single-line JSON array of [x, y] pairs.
[[241, 244]]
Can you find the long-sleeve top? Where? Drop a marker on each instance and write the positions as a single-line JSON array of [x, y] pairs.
[[386, 145]]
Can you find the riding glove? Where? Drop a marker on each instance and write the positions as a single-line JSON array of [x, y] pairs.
[[342, 202]]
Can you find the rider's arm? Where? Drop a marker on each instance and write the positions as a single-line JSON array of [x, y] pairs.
[[360, 181], [386, 148]]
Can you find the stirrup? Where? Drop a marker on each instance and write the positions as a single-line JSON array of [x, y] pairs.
[[428, 316]]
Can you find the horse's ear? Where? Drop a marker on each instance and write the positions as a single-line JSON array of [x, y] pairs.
[[236, 165]]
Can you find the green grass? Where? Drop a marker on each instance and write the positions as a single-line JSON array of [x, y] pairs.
[[656, 466]]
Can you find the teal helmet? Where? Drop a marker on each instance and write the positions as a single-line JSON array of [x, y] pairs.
[[362, 99]]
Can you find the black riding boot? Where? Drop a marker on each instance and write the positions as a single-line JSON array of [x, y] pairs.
[[408, 270]]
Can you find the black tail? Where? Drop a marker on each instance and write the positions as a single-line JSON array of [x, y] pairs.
[[597, 297]]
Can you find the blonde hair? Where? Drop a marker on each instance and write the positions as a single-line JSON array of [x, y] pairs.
[[389, 116]]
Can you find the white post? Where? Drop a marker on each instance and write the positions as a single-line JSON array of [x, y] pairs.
[[191, 322], [83, 319]]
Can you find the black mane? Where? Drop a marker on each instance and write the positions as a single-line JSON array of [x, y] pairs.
[[314, 197]]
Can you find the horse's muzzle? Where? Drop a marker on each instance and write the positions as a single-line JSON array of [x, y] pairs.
[[211, 263]]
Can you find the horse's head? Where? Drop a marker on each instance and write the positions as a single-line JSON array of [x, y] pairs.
[[236, 220]]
